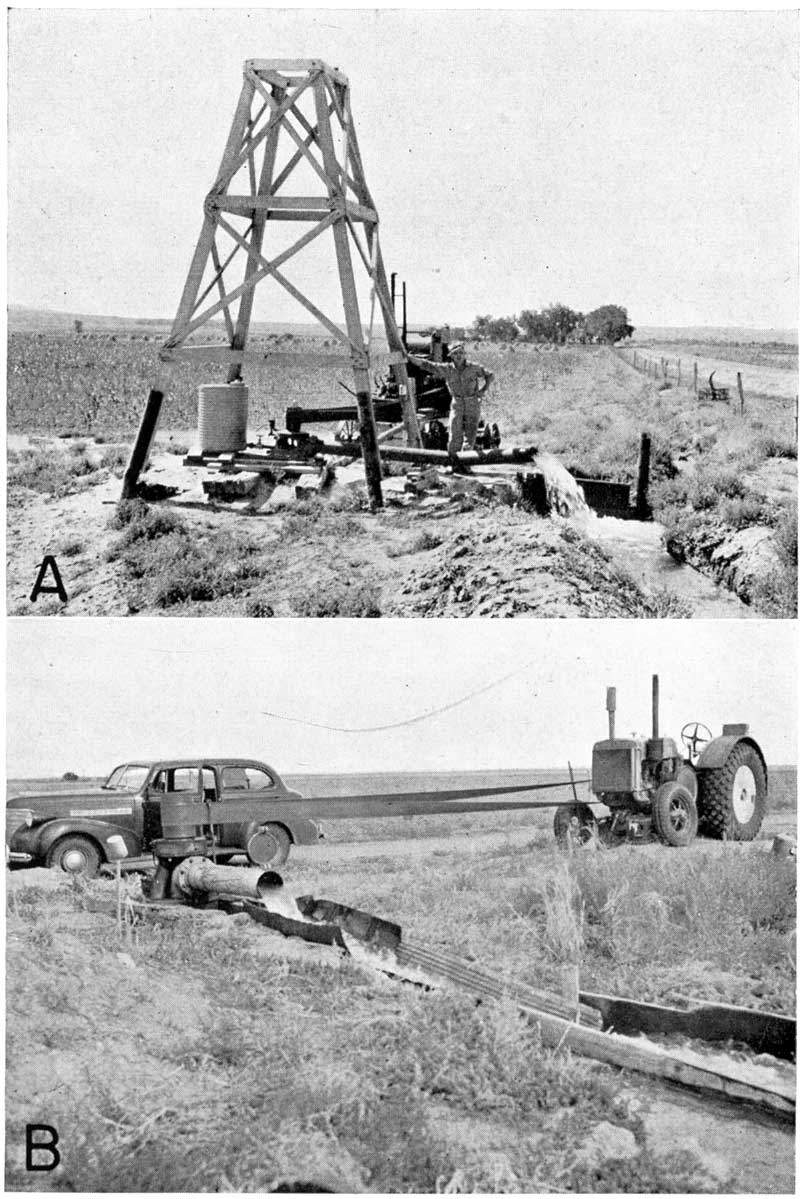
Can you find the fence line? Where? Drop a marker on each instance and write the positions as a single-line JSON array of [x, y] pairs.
[[669, 371]]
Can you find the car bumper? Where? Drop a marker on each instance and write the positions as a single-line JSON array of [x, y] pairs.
[[16, 856]]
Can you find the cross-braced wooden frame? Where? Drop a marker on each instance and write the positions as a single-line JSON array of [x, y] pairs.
[[307, 104]]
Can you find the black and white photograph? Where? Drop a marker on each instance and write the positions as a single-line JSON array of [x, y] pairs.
[[378, 915], [446, 362], [479, 314]]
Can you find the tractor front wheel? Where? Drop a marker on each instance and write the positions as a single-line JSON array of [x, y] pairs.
[[674, 814], [574, 825], [733, 797]]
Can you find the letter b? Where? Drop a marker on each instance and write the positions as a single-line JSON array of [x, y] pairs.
[[47, 1146]]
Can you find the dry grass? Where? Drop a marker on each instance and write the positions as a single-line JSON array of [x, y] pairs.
[[287, 1064]]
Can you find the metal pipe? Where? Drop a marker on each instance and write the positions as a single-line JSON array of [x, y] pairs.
[[610, 704], [655, 721], [199, 876], [406, 453]]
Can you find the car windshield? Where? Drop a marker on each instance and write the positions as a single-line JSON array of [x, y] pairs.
[[126, 778]]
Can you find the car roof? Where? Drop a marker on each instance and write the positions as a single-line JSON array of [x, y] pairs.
[[166, 763]]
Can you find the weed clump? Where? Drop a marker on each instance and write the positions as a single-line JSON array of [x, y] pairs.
[[168, 567], [51, 472], [709, 911], [339, 599], [416, 545]]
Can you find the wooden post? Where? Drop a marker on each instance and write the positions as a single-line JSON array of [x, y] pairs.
[[678, 372], [142, 445], [741, 392], [643, 484], [695, 379]]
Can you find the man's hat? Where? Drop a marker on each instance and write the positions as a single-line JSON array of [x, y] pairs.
[[458, 345]]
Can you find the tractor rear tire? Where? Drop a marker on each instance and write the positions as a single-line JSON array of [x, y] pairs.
[[674, 815], [733, 797], [574, 825]]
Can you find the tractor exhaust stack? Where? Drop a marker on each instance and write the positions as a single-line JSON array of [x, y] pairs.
[[610, 704], [655, 720]]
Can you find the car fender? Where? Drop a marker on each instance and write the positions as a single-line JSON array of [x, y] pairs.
[[299, 829], [716, 752], [97, 830]]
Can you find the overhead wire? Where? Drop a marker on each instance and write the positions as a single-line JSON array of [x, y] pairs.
[[398, 724]]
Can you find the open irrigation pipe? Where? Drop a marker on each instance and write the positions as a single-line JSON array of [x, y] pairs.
[[588, 1027]]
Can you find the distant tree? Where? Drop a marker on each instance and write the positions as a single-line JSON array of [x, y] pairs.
[[534, 325], [503, 328], [69, 776], [479, 330], [607, 324], [560, 321]]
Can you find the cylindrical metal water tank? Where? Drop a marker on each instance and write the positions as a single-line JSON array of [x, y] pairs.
[[222, 417]]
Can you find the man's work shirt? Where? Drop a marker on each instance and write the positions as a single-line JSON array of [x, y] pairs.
[[463, 382]]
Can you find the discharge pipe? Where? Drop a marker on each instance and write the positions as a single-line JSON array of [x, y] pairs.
[[198, 876]]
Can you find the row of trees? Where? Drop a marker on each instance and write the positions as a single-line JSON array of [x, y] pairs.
[[557, 324]]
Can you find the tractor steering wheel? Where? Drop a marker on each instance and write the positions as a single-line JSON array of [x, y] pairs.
[[694, 734]]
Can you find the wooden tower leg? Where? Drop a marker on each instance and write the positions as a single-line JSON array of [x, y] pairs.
[[257, 237], [359, 352], [207, 236], [405, 383]]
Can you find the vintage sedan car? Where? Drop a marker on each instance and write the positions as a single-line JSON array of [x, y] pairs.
[[70, 830]]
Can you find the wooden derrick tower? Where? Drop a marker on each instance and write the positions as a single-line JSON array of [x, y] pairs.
[[293, 125]]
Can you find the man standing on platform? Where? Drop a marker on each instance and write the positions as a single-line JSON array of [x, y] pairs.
[[467, 382]]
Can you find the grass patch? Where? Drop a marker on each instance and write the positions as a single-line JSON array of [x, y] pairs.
[[166, 566], [416, 544], [51, 472], [338, 599], [715, 924]]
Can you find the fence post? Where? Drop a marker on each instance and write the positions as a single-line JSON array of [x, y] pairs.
[[695, 379], [678, 372], [741, 392]]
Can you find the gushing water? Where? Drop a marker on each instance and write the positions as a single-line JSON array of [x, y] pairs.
[[564, 493]]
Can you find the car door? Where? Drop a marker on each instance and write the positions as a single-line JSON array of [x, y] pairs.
[[240, 781]]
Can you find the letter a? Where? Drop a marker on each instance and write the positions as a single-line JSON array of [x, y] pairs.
[[49, 562], [49, 1146]]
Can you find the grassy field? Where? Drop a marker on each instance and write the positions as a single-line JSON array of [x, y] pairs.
[[287, 1066], [715, 472]]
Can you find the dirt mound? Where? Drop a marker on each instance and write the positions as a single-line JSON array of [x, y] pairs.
[[507, 564]]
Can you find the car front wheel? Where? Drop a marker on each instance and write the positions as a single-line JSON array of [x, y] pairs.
[[74, 855]]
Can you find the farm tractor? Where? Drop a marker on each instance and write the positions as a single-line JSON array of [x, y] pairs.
[[719, 787]]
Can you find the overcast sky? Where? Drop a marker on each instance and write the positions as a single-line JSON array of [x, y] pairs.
[[84, 695], [516, 158]]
